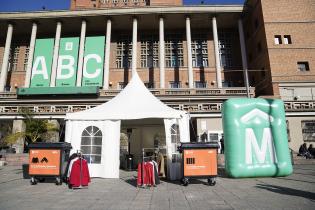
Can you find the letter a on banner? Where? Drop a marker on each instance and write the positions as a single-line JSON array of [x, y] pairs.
[[42, 62], [93, 61], [67, 62]]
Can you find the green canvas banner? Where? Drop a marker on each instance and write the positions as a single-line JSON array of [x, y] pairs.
[[67, 62], [41, 68], [255, 138], [93, 61]]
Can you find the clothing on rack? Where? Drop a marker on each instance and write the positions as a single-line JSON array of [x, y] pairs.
[[147, 174], [78, 174]]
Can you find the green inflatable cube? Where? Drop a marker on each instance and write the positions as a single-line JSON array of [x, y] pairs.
[[255, 138]]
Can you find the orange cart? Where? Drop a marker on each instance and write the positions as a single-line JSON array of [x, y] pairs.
[[48, 160], [199, 160]]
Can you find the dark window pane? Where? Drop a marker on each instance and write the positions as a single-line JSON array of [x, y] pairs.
[[97, 140], [86, 149], [96, 150], [86, 141]]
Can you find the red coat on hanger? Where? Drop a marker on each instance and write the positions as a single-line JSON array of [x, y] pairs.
[[79, 176]]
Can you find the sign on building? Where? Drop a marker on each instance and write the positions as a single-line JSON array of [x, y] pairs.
[[255, 137], [67, 62], [41, 69], [93, 61]]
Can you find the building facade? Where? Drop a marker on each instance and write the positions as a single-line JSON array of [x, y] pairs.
[[192, 58]]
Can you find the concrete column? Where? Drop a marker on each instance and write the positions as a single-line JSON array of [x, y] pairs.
[[53, 136], [30, 56], [244, 59], [107, 54], [162, 52], [188, 40], [18, 126], [134, 45], [216, 52], [81, 53], [55, 57], [5, 60]]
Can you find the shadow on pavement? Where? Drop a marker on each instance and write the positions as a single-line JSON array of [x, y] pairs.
[[287, 191]]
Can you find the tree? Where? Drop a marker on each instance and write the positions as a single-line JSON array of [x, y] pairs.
[[36, 129]]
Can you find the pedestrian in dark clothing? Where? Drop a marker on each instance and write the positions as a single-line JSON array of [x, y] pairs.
[[304, 152], [311, 150], [222, 145]]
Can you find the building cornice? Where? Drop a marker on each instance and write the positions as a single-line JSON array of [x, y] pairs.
[[123, 11]]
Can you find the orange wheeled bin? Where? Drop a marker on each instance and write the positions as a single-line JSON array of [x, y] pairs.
[[48, 160], [199, 160]]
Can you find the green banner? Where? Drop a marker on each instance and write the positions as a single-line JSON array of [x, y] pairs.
[[67, 62], [93, 61], [255, 138], [42, 62]]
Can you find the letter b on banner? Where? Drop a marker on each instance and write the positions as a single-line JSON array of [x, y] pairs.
[[255, 138], [67, 62]]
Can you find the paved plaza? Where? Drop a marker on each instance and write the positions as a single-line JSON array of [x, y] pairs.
[[294, 192]]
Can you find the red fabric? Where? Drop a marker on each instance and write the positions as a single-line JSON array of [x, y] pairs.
[[76, 171], [148, 178]]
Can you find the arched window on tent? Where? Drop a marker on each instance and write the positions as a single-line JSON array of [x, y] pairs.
[[91, 144], [175, 140]]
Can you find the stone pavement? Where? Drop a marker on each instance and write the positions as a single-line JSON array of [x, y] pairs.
[[294, 192]]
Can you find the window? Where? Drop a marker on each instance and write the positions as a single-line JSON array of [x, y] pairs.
[[174, 51], [287, 39], [199, 84], [13, 57], [174, 84], [303, 66], [175, 140], [115, 1], [122, 85], [123, 53], [225, 48], [91, 144], [149, 52], [278, 39], [149, 85], [308, 130], [27, 50], [199, 51]]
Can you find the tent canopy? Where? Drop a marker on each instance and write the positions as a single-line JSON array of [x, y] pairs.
[[135, 101]]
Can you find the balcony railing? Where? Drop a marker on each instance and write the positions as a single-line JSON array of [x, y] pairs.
[[211, 107]]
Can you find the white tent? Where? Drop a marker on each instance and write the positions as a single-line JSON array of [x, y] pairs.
[[135, 101]]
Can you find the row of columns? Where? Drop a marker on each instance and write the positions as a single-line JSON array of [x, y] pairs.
[[3, 75]]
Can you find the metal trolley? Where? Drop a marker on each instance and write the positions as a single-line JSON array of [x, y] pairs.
[[48, 160], [199, 160]]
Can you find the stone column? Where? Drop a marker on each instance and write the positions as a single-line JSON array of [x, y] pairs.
[[162, 52], [216, 52], [134, 45], [81, 53], [107, 54], [30, 56], [53, 136], [190, 69], [244, 59], [55, 57], [18, 126], [5, 60]]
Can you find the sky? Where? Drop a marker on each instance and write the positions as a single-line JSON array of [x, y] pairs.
[[38, 5]]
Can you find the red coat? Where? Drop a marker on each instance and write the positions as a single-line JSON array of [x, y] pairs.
[[148, 174], [76, 171]]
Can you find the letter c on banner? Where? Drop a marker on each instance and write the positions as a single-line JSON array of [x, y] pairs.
[[97, 71]]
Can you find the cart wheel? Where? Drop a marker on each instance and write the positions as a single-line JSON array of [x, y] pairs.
[[33, 181], [41, 179], [185, 181], [211, 181], [58, 181]]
